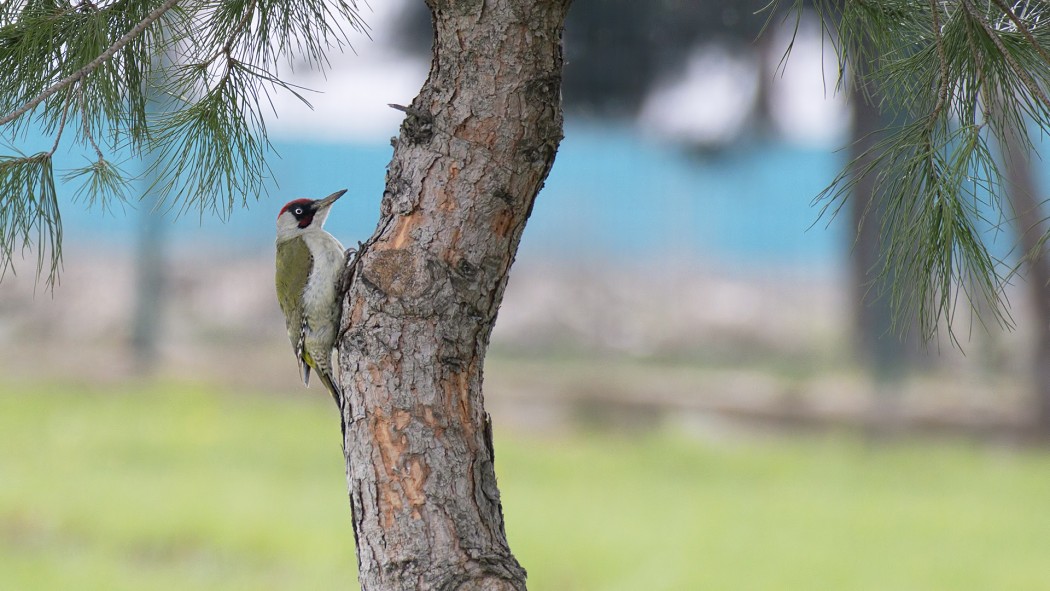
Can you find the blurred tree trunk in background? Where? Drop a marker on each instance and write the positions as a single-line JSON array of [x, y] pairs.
[[767, 55], [473, 152], [150, 288], [149, 285], [872, 315], [886, 352], [1021, 190]]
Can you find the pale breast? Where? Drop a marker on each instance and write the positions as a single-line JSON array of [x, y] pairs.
[[319, 297]]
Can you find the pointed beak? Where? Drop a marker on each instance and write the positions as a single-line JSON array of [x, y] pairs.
[[329, 200]]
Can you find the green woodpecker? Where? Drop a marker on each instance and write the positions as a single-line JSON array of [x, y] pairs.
[[310, 264]]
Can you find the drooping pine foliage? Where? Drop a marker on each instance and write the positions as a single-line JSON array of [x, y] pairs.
[[184, 81], [957, 76]]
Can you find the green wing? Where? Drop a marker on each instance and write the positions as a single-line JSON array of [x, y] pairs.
[[294, 262]]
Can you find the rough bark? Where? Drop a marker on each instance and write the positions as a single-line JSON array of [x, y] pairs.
[[473, 152]]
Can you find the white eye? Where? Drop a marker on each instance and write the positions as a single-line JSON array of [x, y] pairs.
[[298, 211]]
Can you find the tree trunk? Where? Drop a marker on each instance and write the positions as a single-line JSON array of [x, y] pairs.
[[473, 152], [887, 352], [1031, 226], [872, 317]]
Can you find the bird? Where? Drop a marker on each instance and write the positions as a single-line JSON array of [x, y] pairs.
[[310, 264]]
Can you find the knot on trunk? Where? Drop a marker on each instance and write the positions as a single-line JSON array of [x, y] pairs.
[[487, 584], [488, 574], [418, 126]]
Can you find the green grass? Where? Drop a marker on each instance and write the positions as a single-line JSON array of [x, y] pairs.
[[181, 487]]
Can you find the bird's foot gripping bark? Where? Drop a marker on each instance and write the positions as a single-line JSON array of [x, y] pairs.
[[353, 259], [349, 267]]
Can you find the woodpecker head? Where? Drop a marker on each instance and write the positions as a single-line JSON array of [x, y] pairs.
[[303, 214]]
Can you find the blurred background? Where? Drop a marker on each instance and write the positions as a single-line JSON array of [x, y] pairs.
[[693, 379]]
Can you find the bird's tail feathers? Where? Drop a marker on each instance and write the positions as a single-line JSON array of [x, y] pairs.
[[337, 395], [326, 379]]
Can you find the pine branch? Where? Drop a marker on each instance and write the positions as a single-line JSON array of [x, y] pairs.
[[61, 128], [939, 65], [102, 58], [23, 219], [1023, 29], [240, 27], [86, 126], [942, 87], [200, 113], [1020, 72]]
